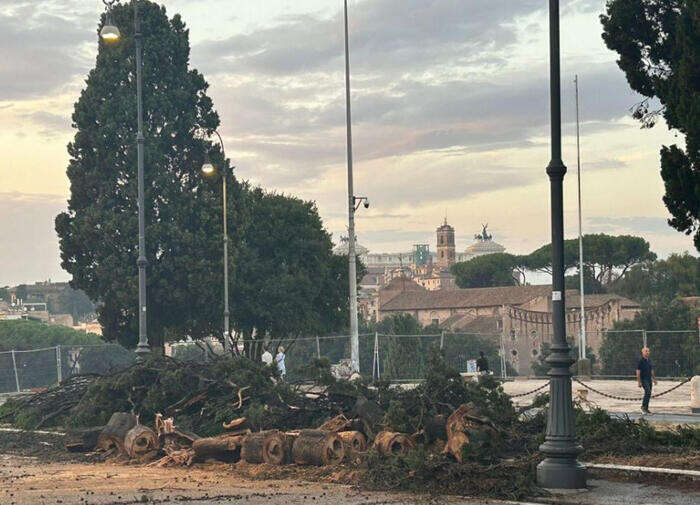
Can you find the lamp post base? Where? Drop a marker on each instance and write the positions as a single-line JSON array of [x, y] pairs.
[[142, 350], [561, 473]]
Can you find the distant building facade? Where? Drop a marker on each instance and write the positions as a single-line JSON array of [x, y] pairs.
[[519, 317]]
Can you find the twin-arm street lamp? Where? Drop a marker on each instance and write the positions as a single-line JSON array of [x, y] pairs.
[[209, 169], [560, 469], [110, 34]]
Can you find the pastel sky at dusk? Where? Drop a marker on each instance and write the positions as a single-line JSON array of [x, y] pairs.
[[450, 118]]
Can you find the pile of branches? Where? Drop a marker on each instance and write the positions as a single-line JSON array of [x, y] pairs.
[[445, 435], [49, 407]]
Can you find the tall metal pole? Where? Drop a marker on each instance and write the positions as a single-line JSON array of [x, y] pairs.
[[352, 268], [560, 469], [227, 314], [582, 343], [141, 262]]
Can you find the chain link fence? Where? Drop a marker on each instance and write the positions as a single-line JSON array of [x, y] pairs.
[[400, 358], [27, 370]]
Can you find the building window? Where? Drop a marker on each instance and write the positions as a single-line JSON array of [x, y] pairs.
[[436, 322], [533, 334], [512, 335], [514, 352], [535, 352]]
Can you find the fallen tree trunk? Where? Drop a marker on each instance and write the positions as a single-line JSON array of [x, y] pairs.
[[83, 440], [141, 441], [389, 443], [355, 440], [316, 447], [270, 447], [113, 434], [223, 448]]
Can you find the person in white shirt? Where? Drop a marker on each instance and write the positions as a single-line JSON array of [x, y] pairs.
[[267, 357], [279, 359]]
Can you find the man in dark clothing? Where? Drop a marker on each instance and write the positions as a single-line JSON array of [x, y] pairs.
[[645, 376], [481, 364]]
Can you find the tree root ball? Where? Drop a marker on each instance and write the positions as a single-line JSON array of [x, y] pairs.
[[355, 440], [389, 443], [317, 447]]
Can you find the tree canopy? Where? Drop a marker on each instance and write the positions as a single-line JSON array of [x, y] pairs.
[[284, 278], [287, 282], [24, 334], [678, 275], [658, 43], [605, 259], [485, 271], [98, 234]]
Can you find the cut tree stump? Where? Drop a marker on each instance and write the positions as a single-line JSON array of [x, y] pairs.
[[223, 448], [113, 434], [83, 440], [141, 441], [270, 447], [355, 440], [389, 443], [317, 447]]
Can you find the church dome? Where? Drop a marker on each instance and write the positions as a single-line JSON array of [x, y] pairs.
[[484, 247]]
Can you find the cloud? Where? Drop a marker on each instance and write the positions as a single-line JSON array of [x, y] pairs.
[[41, 48], [632, 224], [29, 249]]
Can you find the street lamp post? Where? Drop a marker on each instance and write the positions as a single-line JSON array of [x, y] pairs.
[[208, 169], [352, 267], [110, 33], [560, 469]]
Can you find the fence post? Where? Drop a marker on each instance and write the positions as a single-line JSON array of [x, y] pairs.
[[14, 365], [59, 371], [504, 370], [318, 347], [375, 358], [442, 339], [644, 337]]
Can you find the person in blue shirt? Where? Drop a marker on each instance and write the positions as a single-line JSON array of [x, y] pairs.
[[645, 377]]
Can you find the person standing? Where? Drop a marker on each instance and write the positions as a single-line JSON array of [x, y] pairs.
[[482, 364], [645, 377], [267, 357], [279, 359]]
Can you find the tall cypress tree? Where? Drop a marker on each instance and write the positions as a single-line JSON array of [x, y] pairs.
[[99, 232]]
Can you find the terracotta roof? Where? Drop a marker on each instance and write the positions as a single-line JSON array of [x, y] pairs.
[[467, 323], [464, 298], [573, 299]]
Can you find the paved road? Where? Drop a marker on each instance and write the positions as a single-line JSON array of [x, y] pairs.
[[675, 402], [25, 481], [662, 418]]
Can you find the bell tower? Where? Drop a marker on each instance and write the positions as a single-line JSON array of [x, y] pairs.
[[445, 245]]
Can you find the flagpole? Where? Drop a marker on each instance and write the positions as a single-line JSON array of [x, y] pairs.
[[582, 343]]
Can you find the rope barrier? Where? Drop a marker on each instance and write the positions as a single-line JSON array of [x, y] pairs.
[[533, 391], [627, 399]]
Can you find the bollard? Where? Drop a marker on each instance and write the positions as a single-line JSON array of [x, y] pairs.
[[695, 394]]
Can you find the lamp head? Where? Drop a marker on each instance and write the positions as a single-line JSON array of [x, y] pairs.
[[109, 31], [207, 167]]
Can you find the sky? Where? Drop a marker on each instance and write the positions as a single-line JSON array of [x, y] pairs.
[[450, 107]]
